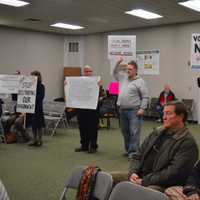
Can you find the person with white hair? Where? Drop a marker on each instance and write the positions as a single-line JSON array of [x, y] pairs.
[[88, 121], [165, 96]]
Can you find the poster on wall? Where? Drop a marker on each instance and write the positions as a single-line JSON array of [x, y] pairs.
[[27, 94], [148, 62], [195, 52], [122, 45], [9, 84], [82, 92]]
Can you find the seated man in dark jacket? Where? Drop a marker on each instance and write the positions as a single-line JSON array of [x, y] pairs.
[[191, 191], [167, 155]]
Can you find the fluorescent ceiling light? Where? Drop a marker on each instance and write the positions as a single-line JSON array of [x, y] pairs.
[[192, 4], [143, 14], [15, 3], [67, 26]]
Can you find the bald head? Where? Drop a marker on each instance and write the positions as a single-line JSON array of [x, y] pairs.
[[167, 88], [87, 71]]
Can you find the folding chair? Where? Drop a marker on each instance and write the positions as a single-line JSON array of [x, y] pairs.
[[103, 187], [108, 109], [8, 107], [189, 103], [2, 133], [152, 108], [129, 191], [54, 114]]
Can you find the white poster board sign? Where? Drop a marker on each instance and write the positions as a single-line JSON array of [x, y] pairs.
[[9, 84], [195, 52], [27, 94], [122, 45], [148, 62], [82, 92]]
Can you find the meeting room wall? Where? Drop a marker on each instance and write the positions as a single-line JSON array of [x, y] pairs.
[[28, 51], [173, 41]]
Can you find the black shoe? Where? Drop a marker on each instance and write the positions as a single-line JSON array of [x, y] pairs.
[[125, 154], [92, 150], [33, 143], [80, 149], [39, 143]]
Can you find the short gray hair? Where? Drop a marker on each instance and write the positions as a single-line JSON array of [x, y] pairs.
[[87, 67]]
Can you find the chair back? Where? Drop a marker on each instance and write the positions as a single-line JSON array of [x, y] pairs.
[[152, 107], [54, 113], [189, 103], [53, 108], [102, 188], [9, 106], [129, 191]]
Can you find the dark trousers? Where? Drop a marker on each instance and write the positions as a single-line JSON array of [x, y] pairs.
[[88, 121]]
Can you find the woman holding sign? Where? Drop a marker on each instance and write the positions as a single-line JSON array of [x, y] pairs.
[[37, 119]]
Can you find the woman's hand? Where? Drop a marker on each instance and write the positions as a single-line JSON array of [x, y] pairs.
[[194, 197]]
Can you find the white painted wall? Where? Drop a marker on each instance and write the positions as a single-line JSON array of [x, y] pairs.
[[74, 59], [28, 51], [174, 44]]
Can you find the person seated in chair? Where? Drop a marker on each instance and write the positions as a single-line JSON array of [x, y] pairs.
[[18, 127], [14, 123], [165, 96], [191, 190], [167, 155]]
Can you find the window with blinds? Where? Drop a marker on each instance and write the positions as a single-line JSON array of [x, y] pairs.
[[73, 47]]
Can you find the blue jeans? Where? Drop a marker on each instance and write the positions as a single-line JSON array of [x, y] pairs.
[[130, 126]]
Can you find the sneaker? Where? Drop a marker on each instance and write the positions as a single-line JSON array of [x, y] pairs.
[[80, 149]]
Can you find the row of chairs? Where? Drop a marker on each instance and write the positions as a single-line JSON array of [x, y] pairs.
[[104, 188], [153, 102], [54, 114]]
